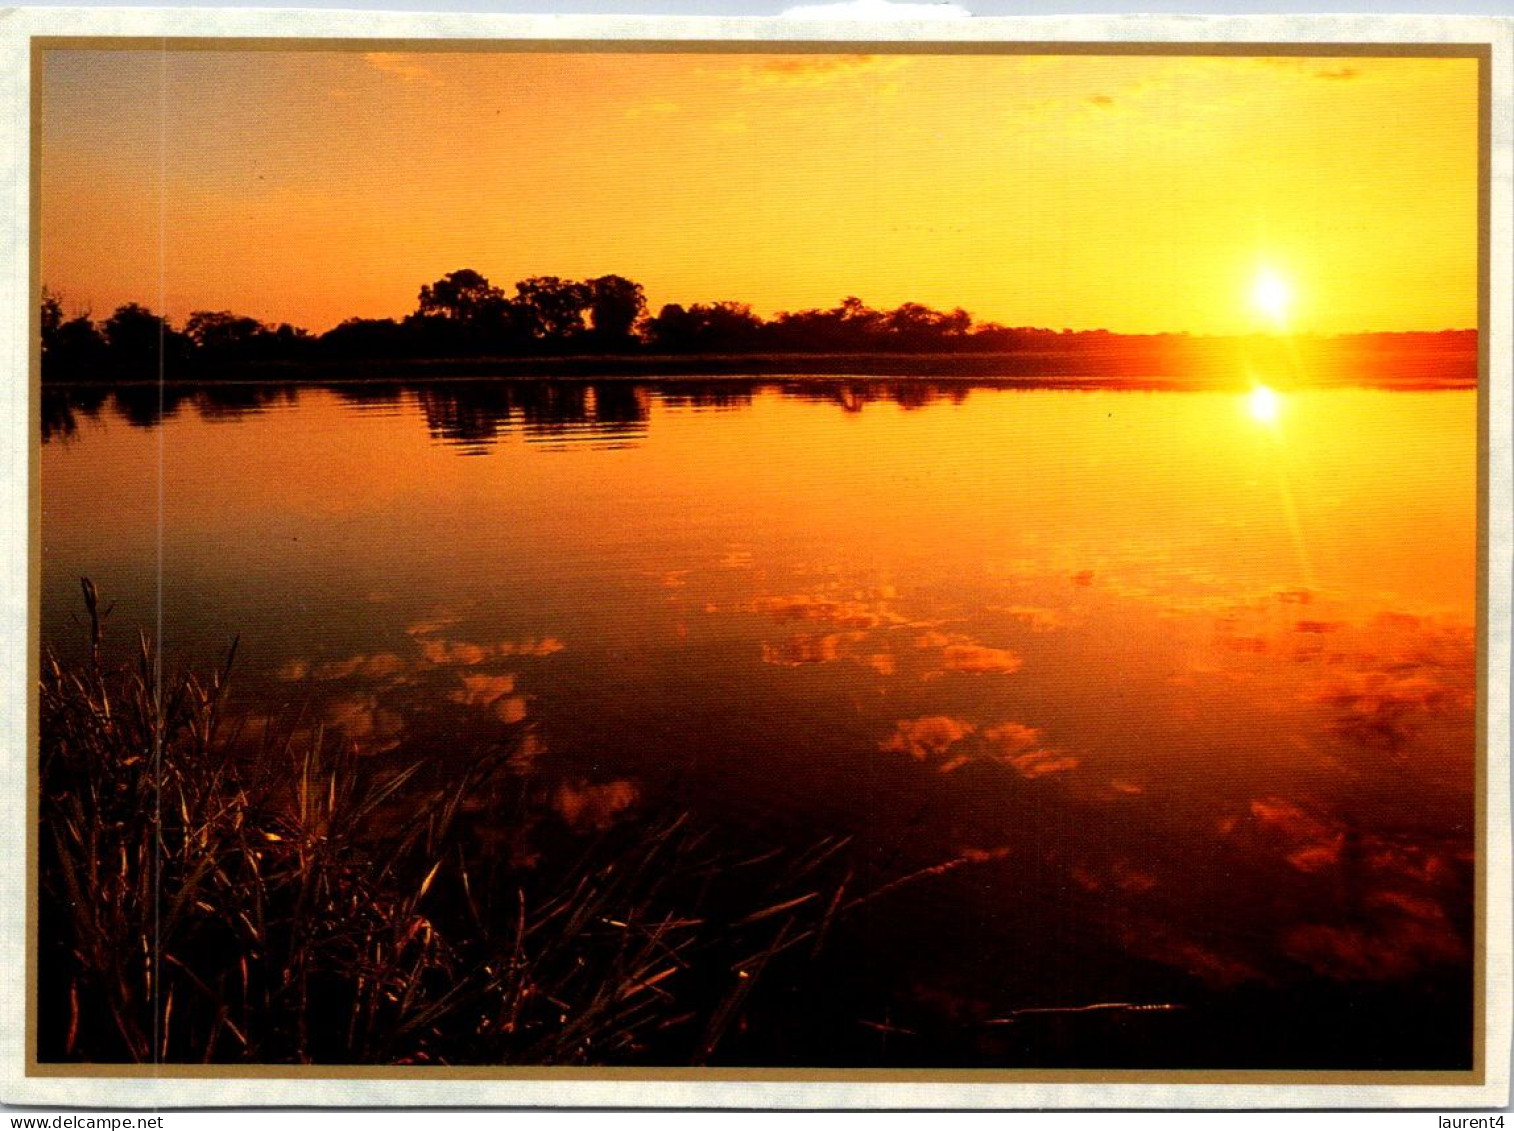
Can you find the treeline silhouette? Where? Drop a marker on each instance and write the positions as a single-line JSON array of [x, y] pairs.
[[603, 325], [463, 315]]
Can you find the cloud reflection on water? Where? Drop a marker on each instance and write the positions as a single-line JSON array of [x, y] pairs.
[[979, 659], [594, 807], [926, 738], [1235, 688], [374, 718], [801, 649], [954, 742], [370, 727]]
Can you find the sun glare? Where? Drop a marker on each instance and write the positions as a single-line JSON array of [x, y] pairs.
[[1263, 405], [1272, 295]]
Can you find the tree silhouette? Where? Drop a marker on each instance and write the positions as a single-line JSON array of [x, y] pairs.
[[70, 347], [222, 332], [461, 296], [76, 348], [616, 305], [851, 326], [141, 342], [917, 327], [366, 338], [718, 327], [52, 316], [219, 337], [552, 309]]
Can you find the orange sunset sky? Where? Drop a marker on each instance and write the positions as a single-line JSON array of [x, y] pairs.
[[1137, 193]]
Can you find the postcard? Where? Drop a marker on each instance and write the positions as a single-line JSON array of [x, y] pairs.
[[757, 562]]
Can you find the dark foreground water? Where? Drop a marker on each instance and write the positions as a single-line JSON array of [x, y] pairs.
[[1179, 688]]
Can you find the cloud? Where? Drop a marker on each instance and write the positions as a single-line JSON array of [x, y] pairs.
[[370, 728], [446, 653], [1119, 876], [1039, 763], [1013, 738], [963, 654], [955, 742], [927, 737], [1411, 863], [1157, 941], [1384, 709], [292, 671], [979, 659], [593, 808], [802, 649], [1392, 905], [845, 614], [1402, 938], [528, 752], [854, 609], [381, 665], [1038, 618], [546, 646], [510, 710], [1314, 842], [466, 653], [494, 693], [482, 690], [1019, 747], [1337, 74], [1309, 843]]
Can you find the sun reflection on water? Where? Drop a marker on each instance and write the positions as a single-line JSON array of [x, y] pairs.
[[1264, 405]]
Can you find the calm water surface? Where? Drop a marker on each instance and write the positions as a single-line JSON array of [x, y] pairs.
[[1185, 688]]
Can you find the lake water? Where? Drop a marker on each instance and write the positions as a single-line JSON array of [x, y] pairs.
[[1180, 685]]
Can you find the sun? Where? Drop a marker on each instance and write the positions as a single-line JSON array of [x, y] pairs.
[[1272, 294]]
